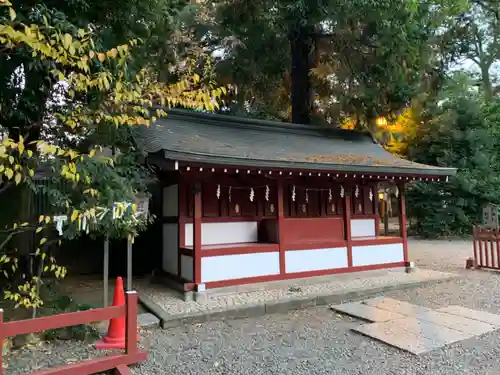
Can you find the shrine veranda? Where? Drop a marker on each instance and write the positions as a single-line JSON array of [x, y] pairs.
[[250, 201]]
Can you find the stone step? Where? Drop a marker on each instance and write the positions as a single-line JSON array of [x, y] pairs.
[[369, 313], [400, 307], [481, 316]]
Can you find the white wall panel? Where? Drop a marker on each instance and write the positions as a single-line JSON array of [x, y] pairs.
[[187, 267], [362, 227], [170, 248], [224, 233], [314, 260], [171, 200], [227, 267], [377, 254]]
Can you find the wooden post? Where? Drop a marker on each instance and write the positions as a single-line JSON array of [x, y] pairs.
[[280, 212], [386, 215], [106, 272], [347, 223], [375, 210], [402, 222], [474, 242], [2, 341], [129, 262], [131, 322], [182, 211], [197, 234]]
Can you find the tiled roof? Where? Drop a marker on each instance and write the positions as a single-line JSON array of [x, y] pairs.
[[228, 140]]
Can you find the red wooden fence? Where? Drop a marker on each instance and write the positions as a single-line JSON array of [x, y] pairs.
[[118, 362], [486, 248]]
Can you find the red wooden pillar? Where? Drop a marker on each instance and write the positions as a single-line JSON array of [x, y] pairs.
[[2, 339], [182, 214], [197, 234], [376, 210], [347, 223], [402, 221], [280, 212], [131, 322]]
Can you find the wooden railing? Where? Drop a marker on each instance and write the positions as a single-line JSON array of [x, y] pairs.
[[118, 362], [486, 247]]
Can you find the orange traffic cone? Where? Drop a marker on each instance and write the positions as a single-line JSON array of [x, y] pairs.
[[115, 339]]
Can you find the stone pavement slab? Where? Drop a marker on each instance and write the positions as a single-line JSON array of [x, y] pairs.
[[459, 323], [436, 333], [481, 316], [401, 307], [394, 336], [147, 320], [366, 312]]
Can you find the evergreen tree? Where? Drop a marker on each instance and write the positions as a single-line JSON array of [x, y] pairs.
[[457, 136]]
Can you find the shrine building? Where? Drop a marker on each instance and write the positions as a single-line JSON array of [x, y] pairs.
[[249, 201]]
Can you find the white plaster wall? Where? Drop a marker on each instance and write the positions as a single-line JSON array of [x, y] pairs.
[[170, 248], [170, 200], [187, 267], [317, 259], [223, 233], [377, 254], [362, 227], [239, 266]]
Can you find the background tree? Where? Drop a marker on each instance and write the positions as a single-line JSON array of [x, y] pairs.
[[92, 94], [453, 132]]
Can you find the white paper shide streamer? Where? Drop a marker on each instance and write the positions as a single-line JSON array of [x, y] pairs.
[[252, 195], [267, 192], [293, 193], [217, 193]]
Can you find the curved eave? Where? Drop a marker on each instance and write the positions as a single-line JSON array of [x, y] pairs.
[[206, 159]]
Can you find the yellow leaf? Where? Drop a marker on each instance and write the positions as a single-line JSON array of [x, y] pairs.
[[30, 153], [12, 14], [9, 173], [67, 40], [101, 57], [112, 53], [42, 241], [18, 178], [40, 219], [39, 229], [2, 167], [74, 215], [21, 148], [11, 159], [47, 219]]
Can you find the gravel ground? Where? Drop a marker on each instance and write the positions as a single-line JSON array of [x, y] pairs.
[[316, 340]]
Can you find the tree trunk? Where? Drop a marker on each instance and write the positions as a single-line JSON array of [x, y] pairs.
[[301, 47], [486, 80]]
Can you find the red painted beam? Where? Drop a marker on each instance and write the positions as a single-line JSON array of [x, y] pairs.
[[22, 327], [95, 365]]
